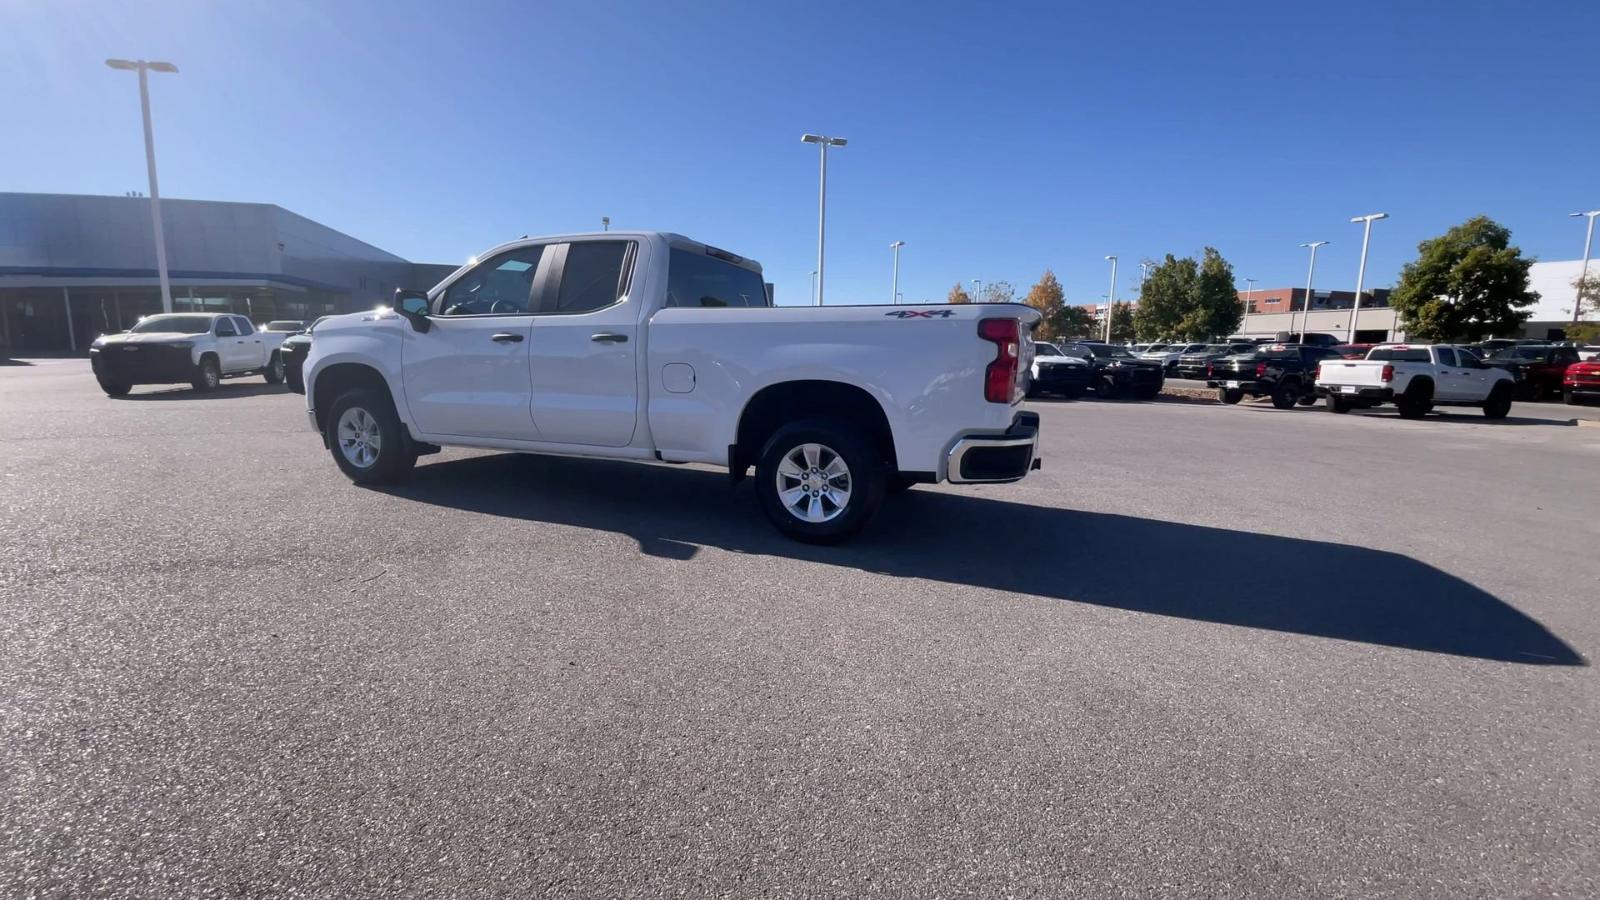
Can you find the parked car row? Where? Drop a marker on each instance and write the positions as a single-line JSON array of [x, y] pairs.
[[1111, 371]]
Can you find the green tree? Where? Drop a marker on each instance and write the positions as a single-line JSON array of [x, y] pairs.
[[1046, 297], [958, 294], [1464, 285], [1074, 322], [1168, 295], [1122, 326], [1586, 293], [1188, 300]]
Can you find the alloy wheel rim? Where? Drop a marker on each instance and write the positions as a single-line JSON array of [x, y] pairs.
[[359, 440], [213, 377], [814, 483]]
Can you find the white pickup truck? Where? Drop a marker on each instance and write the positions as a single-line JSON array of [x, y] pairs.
[[1415, 378], [200, 348], [651, 346]]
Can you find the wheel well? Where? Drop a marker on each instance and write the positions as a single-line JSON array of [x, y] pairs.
[[1420, 383], [776, 405], [339, 378]]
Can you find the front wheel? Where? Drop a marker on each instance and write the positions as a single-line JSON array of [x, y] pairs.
[[1229, 396], [1572, 398], [1285, 395], [1108, 389], [274, 370], [115, 388], [1308, 400], [1498, 406], [819, 481], [207, 375], [368, 441]]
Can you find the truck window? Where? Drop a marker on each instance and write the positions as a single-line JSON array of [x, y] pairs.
[[593, 278], [696, 279], [1447, 357], [1400, 354], [500, 285], [244, 325], [225, 327]]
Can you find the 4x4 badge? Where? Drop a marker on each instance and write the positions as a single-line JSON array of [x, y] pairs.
[[921, 313]]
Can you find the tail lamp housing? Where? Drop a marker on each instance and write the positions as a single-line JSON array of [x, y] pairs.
[[1000, 378]]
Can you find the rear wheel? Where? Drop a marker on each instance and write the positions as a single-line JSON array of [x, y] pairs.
[[819, 481], [1285, 395], [207, 375], [368, 440], [1498, 406], [1337, 404], [1229, 396], [274, 371], [1416, 402]]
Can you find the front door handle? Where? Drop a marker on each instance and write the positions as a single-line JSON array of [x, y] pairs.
[[506, 337], [609, 337]]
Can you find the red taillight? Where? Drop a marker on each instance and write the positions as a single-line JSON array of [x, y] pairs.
[[1211, 370], [1000, 379], [1319, 371], [1388, 373], [1261, 370]]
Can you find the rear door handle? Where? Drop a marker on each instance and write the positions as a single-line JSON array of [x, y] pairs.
[[609, 337], [506, 337]]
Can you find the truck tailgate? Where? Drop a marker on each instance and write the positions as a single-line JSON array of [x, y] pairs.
[[1358, 372]]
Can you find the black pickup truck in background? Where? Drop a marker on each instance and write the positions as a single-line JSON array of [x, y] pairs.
[[1196, 365], [1285, 372], [1116, 372]]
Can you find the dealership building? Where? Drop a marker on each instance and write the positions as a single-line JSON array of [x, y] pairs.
[[74, 266]]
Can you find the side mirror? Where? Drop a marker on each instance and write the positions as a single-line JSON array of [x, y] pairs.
[[414, 306]]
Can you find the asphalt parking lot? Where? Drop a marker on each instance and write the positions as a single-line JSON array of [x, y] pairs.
[[1206, 651]]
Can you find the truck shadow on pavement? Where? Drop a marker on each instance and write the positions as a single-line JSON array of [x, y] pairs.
[[1122, 562], [224, 391]]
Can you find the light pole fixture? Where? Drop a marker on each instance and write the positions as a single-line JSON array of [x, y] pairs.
[[605, 223], [894, 290], [143, 67], [1111, 298], [977, 290], [1583, 275], [1144, 274], [813, 285], [1310, 273], [823, 143], [1361, 272]]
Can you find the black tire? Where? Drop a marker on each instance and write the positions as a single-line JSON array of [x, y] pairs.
[[867, 480], [114, 388], [1149, 393], [1074, 393], [207, 375], [273, 373], [1229, 396], [1337, 405], [1416, 402], [1573, 399], [1108, 389], [1308, 400], [1285, 395], [1498, 406], [395, 456], [295, 380]]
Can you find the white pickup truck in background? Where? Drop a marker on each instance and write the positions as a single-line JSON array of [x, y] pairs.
[[200, 348], [651, 346], [1415, 378]]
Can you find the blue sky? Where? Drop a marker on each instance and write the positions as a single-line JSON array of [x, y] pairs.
[[995, 140]]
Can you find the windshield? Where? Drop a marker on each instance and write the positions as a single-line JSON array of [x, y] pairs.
[[1520, 354], [1040, 348], [172, 324]]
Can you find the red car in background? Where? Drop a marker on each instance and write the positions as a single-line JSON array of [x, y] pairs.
[[1581, 380], [1353, 351], [1540, 369]]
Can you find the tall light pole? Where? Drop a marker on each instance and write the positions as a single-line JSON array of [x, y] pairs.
[[894, 291], [813, 285], [1111, 298], [823, 143], [1361, 272], [143, 67], [1588, 241], [977, 290], [605, 223], [1249, 294], [1144, 274], [1310, 273]]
